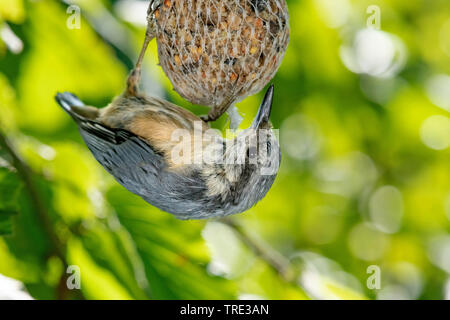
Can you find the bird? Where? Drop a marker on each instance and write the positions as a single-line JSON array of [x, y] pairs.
[[145, 143]]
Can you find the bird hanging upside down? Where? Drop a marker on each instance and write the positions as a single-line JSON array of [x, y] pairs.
[[173, 159]]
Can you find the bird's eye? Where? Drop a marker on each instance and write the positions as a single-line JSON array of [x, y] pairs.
[[269, 148]]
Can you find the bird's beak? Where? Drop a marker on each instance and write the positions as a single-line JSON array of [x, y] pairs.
[[264, 110]]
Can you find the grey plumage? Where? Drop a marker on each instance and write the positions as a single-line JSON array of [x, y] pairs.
[[201, 191]]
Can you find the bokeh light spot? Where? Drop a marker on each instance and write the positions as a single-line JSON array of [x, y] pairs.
[[300, 137], [334, 13], [439, 252], [376, 53], [438, 90], [346, 176], [435, 132], [367, 243], [132, 11], [386, 209], [447, 206], [445, 37]]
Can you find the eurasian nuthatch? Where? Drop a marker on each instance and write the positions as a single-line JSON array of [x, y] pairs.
[[146, 144]]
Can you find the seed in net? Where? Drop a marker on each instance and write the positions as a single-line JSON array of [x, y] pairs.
[[216, 52]]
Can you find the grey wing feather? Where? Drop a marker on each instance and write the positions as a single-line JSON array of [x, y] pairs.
[[129, 159], [138, 167], [141, 170]]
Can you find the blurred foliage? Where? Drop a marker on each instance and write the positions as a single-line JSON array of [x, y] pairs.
[[365, 179], [9, 191]]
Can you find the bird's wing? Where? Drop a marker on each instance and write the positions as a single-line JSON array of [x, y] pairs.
[[141, 170], [137, 166], [127, 157]]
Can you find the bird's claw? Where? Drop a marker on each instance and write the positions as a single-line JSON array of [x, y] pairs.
[[133, 82]]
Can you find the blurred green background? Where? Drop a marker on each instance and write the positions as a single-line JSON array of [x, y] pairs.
[[365, 179]]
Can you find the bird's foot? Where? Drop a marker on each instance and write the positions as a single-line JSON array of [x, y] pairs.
[[205, 118], [133, 82]]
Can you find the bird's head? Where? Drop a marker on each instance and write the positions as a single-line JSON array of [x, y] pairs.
[[257, 146], [250, 164]]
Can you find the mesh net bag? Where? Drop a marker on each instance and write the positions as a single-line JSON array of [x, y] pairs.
[[214, 49]]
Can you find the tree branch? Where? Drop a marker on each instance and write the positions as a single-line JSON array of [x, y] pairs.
[[274, 259], [26, 175], [38, 205]]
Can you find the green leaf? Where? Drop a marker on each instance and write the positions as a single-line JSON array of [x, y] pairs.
[[5, 224], [75, 59], [9, 192], [110, 250], [12, 10], [173, 252]]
